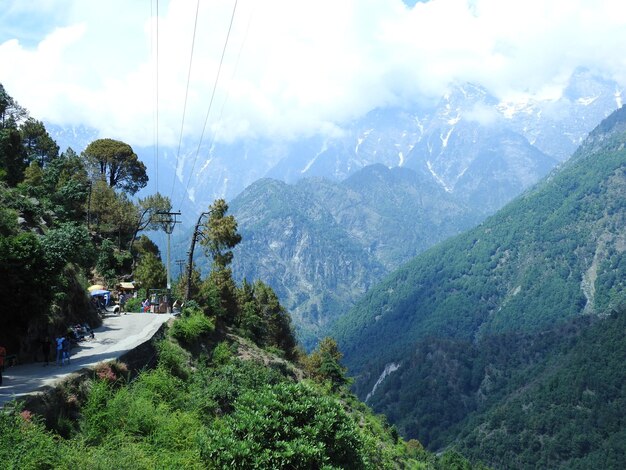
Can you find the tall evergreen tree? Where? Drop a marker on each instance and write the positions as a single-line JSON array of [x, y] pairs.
[[39, 146]]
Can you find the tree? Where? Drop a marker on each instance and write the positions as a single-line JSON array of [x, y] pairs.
[[66, 179], [12, 155], [219, 235], [39, 146], [150, 272], [117, 164], [325, 363], [11, 113], [145, 245], [147, 209], [111, 212]]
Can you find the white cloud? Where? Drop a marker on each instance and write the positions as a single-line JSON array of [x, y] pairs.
[[291, 67]]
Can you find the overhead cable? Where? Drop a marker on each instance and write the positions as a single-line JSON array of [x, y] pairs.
[[182, 124], [212, 96]]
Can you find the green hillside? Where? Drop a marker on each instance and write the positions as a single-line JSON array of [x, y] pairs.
[[453, 328], [566, 411], [553, 253]]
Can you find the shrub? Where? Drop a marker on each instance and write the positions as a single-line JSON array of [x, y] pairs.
[[173, 358], [191, 325], [24, 442], [284, 426], [133, 305]]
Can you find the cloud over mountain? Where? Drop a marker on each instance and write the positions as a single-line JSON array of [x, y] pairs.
[[290, 68]]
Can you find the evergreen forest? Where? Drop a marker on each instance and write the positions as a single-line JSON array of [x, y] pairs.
[[506, 342]]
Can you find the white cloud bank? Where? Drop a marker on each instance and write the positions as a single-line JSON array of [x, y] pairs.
[[291, 67]]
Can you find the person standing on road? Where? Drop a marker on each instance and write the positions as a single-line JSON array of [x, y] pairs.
[[3, 355], [123, 303], [59, 344], [66, 348]]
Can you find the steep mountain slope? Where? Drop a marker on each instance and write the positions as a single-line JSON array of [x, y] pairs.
[[565, 408], [322, 244], [554, 253]]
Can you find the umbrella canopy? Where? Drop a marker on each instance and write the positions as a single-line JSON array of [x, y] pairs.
[[95, 287], [99, 292]]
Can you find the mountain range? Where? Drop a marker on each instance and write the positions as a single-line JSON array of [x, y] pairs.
[[466, 155]]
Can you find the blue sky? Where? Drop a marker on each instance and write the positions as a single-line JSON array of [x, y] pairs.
[[291, 67]]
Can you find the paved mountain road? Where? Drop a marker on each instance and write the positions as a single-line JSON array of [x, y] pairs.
[[116, 336]]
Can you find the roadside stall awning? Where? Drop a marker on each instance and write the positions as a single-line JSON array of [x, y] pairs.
[[127, 285], [95, 287], [99, 292]]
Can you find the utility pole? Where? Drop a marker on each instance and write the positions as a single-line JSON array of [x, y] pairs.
[[168, 222], [181, 265], [190, 259]]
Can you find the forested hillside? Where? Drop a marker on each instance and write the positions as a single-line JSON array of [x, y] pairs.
[[321, 244], [67, 220], [552, 255]]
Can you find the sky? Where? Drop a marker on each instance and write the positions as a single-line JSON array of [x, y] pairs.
[[290, 68]]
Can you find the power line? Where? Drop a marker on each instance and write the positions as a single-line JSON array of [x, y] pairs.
[[219, 119], [212, 95], [155, 43], [182, 124]]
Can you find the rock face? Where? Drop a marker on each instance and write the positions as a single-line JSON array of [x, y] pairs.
[[320, 244]]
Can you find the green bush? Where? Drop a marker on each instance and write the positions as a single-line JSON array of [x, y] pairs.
[[284, 426], [173, 358], [24, 442], [191, 325], [133, 305]]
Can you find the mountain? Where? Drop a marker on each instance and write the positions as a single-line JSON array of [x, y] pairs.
[[471, 151], [321, 244], [483, 148], [481, 151], [554, 254]]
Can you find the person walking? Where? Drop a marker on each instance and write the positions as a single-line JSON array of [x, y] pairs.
[[66, 348]]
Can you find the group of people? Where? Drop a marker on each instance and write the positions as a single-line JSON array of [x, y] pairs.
[[63, 343]]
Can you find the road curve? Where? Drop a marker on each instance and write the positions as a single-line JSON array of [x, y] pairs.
[[116, 336]]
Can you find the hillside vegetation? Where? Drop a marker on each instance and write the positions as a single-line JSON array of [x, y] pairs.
[[218, 402], [467, 326]]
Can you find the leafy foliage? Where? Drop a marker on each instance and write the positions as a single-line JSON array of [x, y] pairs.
[[325, 363], [220, 235], [227, 413], [116, 163], [192, 324]]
